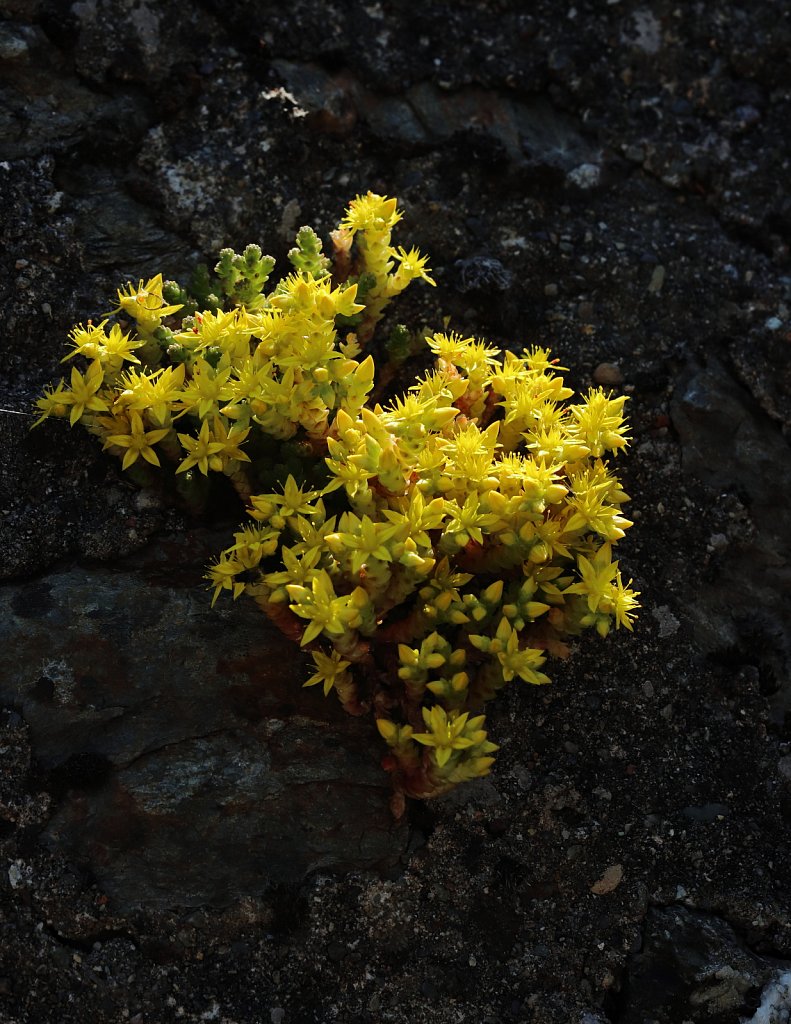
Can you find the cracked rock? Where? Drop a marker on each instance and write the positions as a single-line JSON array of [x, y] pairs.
[[191, 766]]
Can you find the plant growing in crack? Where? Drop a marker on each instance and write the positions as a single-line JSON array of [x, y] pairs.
[[426, 551]]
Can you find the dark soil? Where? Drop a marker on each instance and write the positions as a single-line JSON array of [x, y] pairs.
[[606, 179]]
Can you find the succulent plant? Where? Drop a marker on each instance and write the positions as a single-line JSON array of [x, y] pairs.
[[427, 551]]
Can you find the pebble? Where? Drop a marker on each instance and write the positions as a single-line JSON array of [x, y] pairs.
[[13, 44], [585, 311], [668, 623], [608, 373], [657, 280], [706, 813], [585, 176], [15, 874], [610, 880], [483, 273]]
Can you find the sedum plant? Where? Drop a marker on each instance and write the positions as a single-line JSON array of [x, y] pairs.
[[426, 551]]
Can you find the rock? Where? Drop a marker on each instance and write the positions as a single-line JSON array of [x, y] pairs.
[[585, 176], [762, 360], [44, 109], [667, 623], [191, 766], [392, 119], [608, 373], [102, 519], [327, 99], [428, 115], [483, 273], [35, 230], [657, 280], [15, 41], [775, 1001], [609, 881], [730, 445], [118, 232], [692, 967], [707, 813]]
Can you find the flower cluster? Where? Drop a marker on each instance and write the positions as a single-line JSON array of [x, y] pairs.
[[245, 368], [426, 551], [465, 530]]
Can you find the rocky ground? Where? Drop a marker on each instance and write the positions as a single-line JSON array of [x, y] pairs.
[[188, 836]]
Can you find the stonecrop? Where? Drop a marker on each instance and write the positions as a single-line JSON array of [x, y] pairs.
[[425, 551]]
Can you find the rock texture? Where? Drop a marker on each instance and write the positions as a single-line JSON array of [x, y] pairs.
[[188, 835], [190, 766]]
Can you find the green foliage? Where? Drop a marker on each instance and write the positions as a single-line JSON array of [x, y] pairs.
[[307, 255], [242, 277], [427, 551]]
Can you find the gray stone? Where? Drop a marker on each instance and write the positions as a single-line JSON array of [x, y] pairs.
[[483, 273], [729, 444], [44, 109], [194, 767], [692, 967]]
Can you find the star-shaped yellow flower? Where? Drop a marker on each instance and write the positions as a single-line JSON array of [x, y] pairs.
[[83, 395], [203, 451], [138, 441], [331, 670]]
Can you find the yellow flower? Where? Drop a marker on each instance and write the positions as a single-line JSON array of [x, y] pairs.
[[600, 423], [320, 604], [155, 393], [464, 523], [207, 390], [331, 671], [446, 732], [413, 265], [624, 602], [371, 212], [514, 661], [222, 576], [230, 331], [137, 442], [592, 488], [144, 303], [294, 501], [296, 569], [253, 544], [363, 537], [229, 441], [54, 402], [202, 451], [415, 518], [83, 396], [597, 579], [110, 349]]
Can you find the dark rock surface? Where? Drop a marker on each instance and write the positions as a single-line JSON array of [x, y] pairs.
[[170, 733], [691, 959], [188, 835]]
